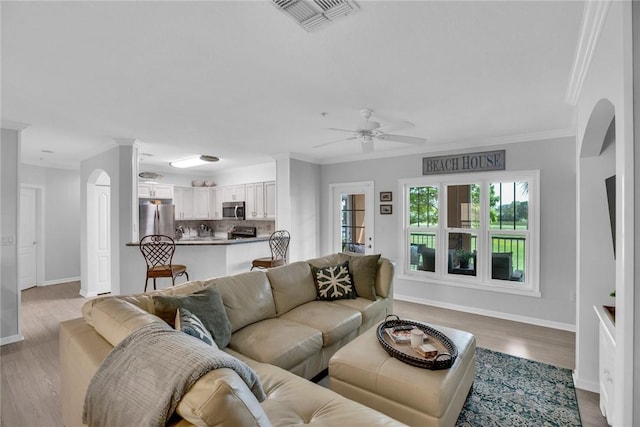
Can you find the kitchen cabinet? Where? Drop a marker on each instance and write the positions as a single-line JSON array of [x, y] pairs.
[[183, 201], [261, 200], [160, 191], [607, 358], [215, 203], [200, 203], [270, 200], [233, 193], [255, 200]]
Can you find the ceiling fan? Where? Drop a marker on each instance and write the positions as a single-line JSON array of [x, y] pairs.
[[368, 130]]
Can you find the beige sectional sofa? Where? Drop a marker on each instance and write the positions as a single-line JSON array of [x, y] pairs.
[[278, 328]]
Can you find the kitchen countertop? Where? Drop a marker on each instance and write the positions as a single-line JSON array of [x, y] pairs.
[[212, 241]]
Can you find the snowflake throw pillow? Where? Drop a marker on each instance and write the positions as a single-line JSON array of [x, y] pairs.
[[334, 282]]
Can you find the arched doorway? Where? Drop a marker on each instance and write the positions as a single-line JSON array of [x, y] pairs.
[[596, 264], [98, 234]]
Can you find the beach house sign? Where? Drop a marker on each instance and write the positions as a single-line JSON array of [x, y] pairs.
[[467, 162]]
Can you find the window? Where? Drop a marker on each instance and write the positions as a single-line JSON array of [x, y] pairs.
[[473, 230], [353, 226]]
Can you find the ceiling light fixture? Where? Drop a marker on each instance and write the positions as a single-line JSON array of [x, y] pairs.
[[194, 161]]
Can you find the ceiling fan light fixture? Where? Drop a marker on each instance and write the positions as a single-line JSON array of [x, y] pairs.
[[194, 161]]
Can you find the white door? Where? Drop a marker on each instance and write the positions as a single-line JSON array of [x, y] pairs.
[[27, 239], [103, 241], [352, 217]]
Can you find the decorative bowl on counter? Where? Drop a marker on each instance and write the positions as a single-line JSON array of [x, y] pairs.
[[209, 184], [197, 183]]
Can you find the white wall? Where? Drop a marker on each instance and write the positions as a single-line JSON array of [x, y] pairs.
[[118, 164], [611, 76], [61, 220], [304, 209], [9, 191], [245, 175], [556, 161]]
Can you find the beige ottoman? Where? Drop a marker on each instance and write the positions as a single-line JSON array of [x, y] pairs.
[[363, 371]]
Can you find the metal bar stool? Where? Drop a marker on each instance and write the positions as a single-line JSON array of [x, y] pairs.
[[279, 245], [158, 250]]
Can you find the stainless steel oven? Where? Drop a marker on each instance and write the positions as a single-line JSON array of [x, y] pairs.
[[233, 210]]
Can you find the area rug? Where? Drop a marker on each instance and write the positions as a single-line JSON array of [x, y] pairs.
[[511, 391]]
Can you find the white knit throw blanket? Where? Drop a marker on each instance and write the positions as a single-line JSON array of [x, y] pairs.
[[143, 378]]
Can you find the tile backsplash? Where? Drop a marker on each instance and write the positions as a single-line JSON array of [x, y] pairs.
[[263, 228]]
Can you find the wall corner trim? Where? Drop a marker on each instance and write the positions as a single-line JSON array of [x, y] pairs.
[[11, 339], [593, 19], [8, 124]]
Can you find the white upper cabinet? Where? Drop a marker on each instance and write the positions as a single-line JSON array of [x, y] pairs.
[[261, 200], [215, 203], [255, 200], [200, 203], [233, 193], [161, 191], [183, 201], [270, 200], [206, 202]]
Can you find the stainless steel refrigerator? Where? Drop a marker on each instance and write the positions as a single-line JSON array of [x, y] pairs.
[[157, 219]]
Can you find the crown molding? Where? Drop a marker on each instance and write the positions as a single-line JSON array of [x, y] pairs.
[[8, 124], [128, 141], [593, 18]]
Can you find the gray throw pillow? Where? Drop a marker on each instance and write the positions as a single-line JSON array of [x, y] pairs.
[[206, 304], [334, 282], [189, 323], [364, 269]]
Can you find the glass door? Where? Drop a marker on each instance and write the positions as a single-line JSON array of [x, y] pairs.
[[352, 225]]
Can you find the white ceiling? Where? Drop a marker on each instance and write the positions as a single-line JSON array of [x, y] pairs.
[[241, 81]]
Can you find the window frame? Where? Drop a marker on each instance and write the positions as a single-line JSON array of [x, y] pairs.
[[482, 280]]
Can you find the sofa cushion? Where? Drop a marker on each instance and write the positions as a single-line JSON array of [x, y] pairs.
[[278, 341], [145, 300], [364, 270], [335, 321], [334, 282], [292, 285], [206, 304], [221, 398], [372, 312], [190, 324], [292, 400], [114, 319], [327, 260], [247, 298]]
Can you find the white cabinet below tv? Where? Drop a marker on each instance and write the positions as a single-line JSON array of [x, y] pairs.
[[607, 359]]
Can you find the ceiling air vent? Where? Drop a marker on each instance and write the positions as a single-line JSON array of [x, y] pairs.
[[313, 14]]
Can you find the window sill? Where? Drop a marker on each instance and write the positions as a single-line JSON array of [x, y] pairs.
[[461, 283]]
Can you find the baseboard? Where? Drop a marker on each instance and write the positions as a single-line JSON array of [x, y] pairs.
[[489, 313], [88, 294], [591, 386], [11, 339], [59, 281]]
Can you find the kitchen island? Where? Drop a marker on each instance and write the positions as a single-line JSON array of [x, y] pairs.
[[205, 258]]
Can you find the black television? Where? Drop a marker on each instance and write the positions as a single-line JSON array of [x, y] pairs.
[[610, 184]]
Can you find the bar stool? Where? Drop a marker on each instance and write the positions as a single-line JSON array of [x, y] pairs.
[[279, 244], [157, 250]]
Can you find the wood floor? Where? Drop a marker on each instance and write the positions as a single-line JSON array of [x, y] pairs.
[[30, 378]]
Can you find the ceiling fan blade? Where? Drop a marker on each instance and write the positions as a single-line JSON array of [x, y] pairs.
[[343, 130], [402, 138], [393, 127], [367, 146], [334, 142]]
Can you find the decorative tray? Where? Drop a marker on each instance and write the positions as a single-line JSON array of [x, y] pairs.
[[447, 351]]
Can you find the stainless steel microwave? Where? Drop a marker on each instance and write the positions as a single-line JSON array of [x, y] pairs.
[[233, 210]]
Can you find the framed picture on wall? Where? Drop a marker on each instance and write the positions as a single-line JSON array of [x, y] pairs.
[[386, 209], [386, 196]]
